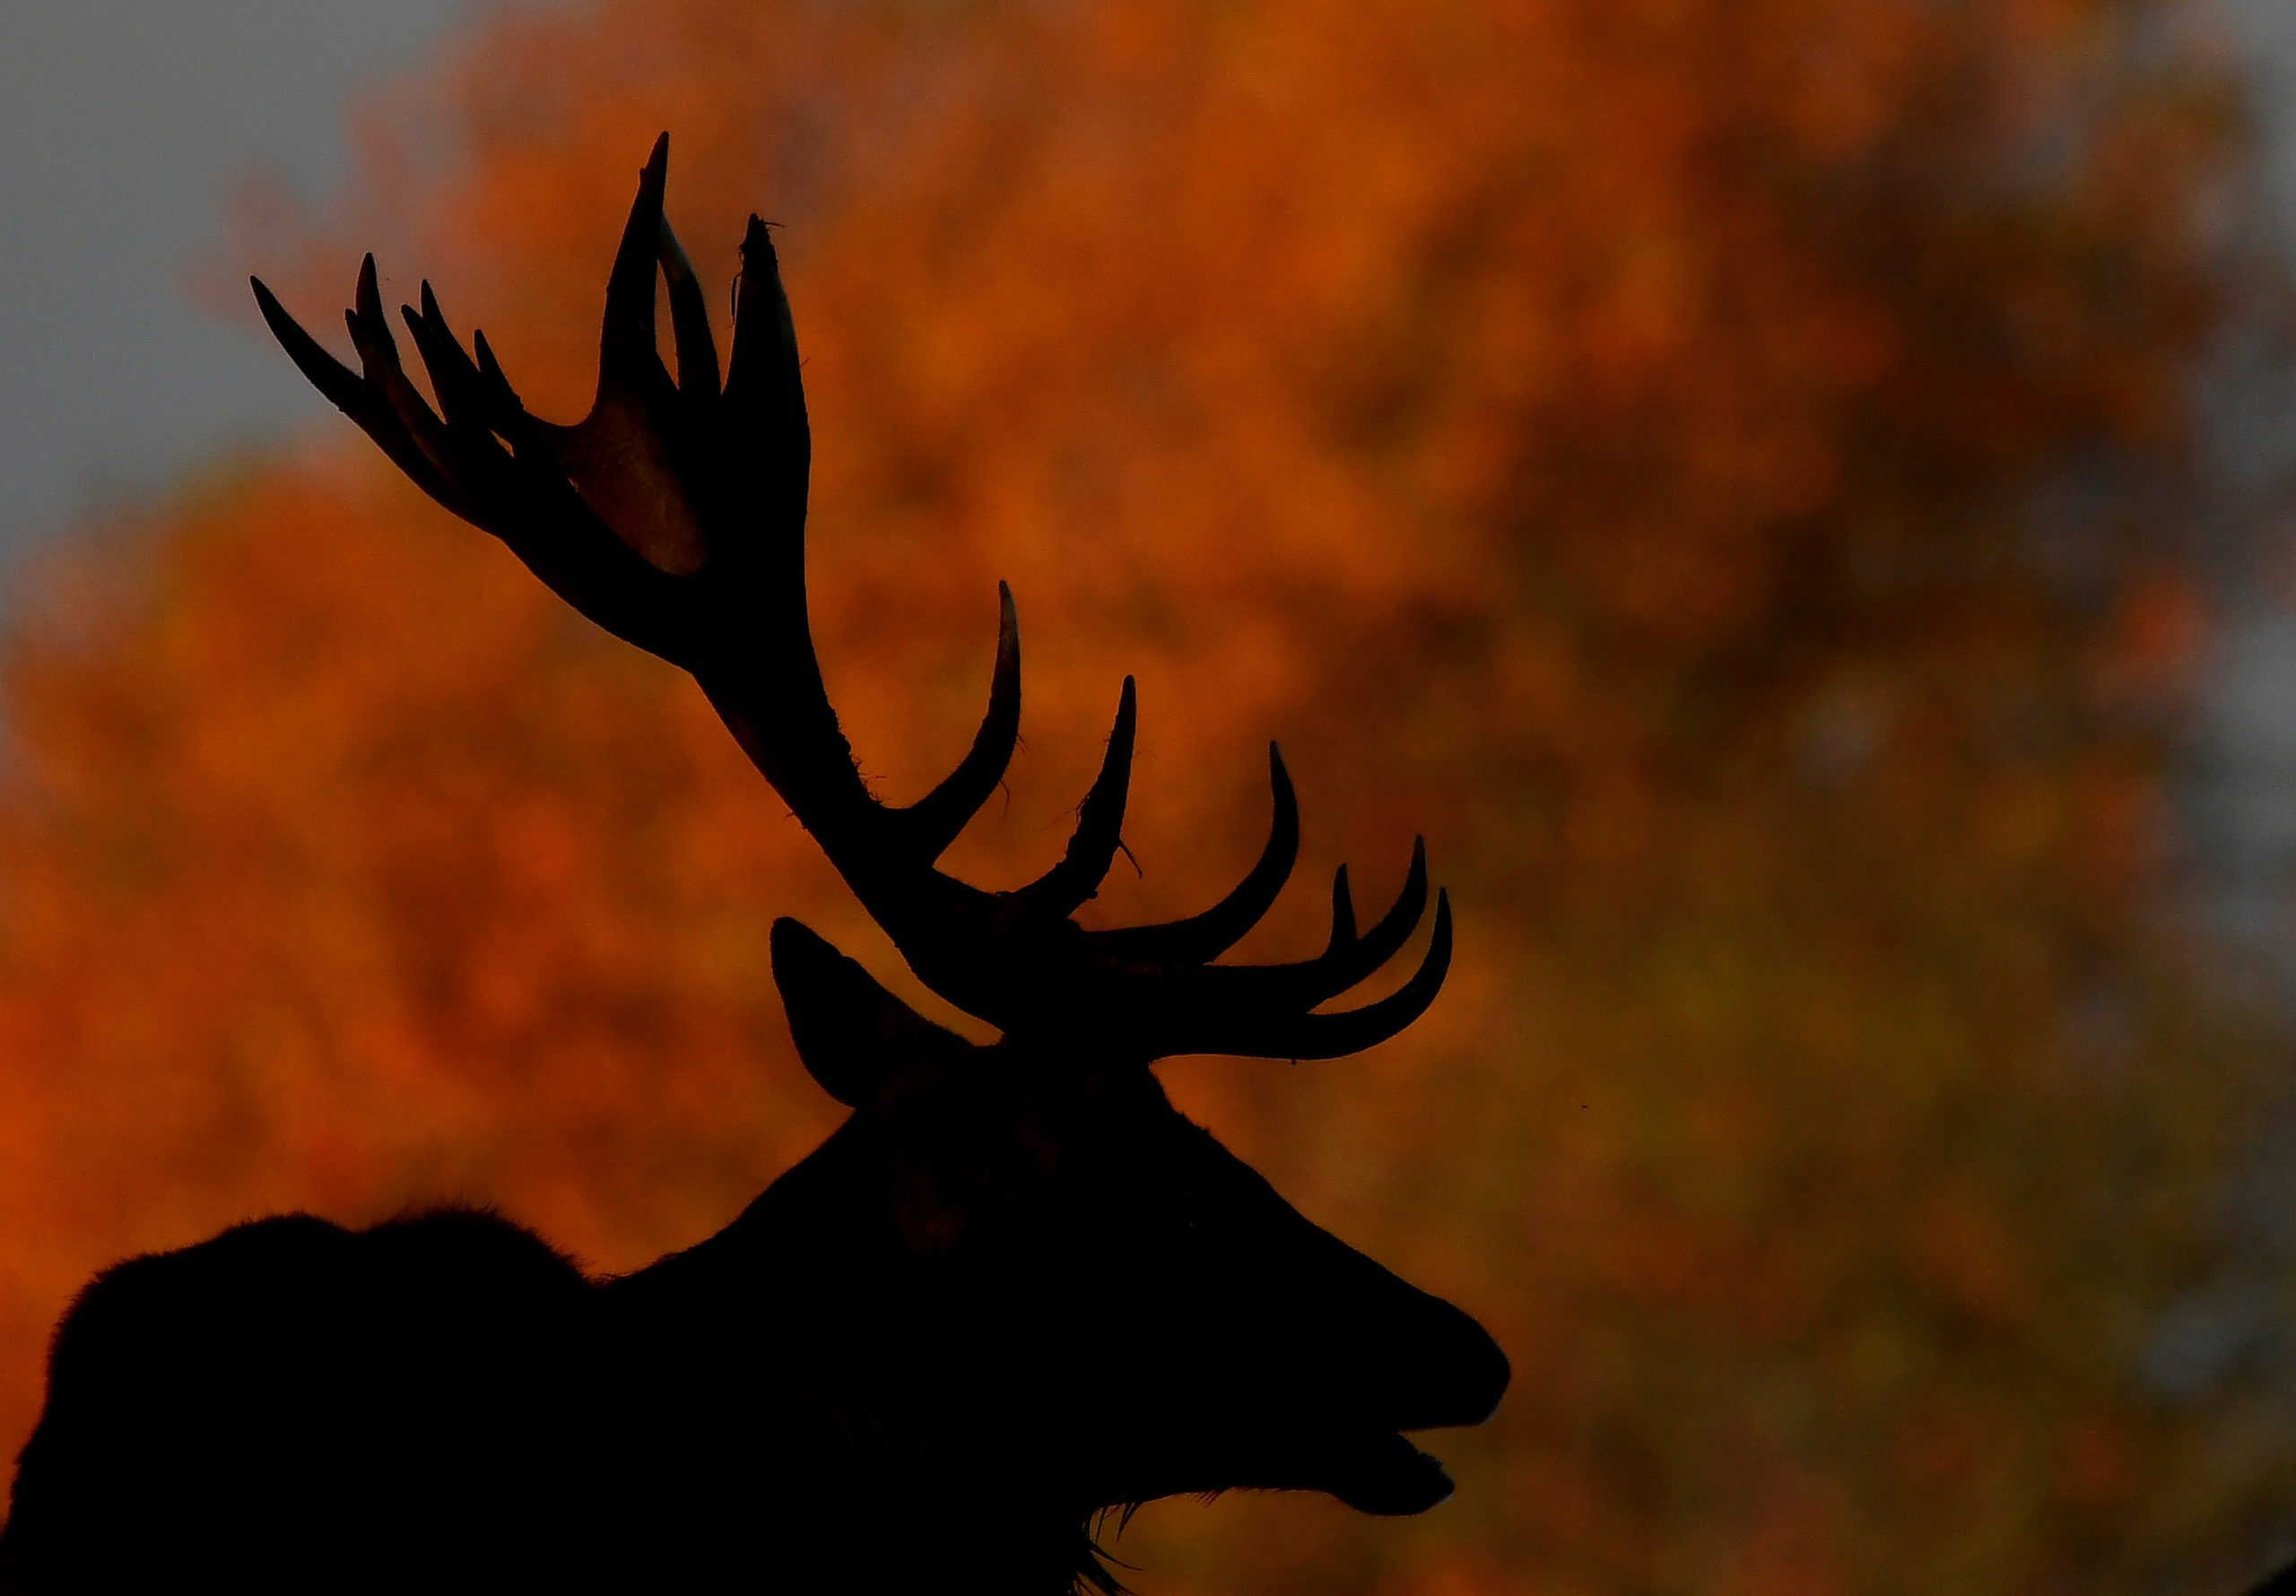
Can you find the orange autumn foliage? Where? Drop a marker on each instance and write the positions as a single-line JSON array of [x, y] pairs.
[[1720, 470]]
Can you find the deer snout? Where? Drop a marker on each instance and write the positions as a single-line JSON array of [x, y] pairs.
[[1443, 1370]]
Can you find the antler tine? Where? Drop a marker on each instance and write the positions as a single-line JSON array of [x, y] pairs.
[[520, 496], [454, 375], [1346, 961], [1259, 1035], [697, 346], [1202, 937], [511, 417], [936, 819], [1388, 933], [370, 335], [1100, 825], [628, 360], [765, 398], [354, 396], [1343, 914], [673, 515], [1336, 1036]]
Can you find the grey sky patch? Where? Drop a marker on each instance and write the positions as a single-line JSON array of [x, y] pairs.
[[124, 126]]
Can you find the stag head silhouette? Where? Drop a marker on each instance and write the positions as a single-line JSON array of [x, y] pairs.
[[1014, 1290]]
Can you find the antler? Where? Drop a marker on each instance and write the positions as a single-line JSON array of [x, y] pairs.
[[673, 515]]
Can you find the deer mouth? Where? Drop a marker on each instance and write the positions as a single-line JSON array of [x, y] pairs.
[[1372, 1471]]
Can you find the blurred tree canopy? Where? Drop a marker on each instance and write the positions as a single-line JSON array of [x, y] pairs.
[[1723, 470]]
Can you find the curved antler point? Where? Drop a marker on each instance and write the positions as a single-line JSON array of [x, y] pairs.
[[1343, 914], [1287, 797]]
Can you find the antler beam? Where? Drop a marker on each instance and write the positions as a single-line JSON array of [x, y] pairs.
[[673, 515]]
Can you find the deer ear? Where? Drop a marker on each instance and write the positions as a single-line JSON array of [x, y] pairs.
[[852, 1034]]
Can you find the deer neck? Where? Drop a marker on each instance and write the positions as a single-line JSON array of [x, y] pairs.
[[786, 1339], [794, 1275]]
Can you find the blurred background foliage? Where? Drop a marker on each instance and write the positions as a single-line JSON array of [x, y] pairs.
[[1727, 472]]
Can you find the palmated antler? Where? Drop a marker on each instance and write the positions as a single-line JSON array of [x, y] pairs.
[[673, 515]]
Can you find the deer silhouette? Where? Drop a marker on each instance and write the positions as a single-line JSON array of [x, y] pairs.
[[1016, 1290]]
